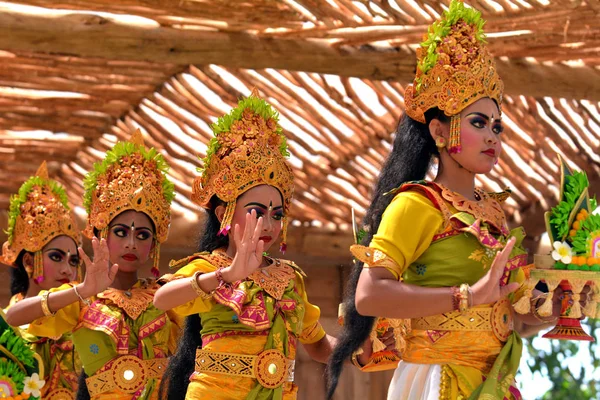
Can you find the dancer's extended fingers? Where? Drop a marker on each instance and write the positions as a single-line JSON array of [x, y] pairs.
[[260, 247], [84, 257], [112, 272], [507, 289], [237, 235], [250, 221], [257, 230], [501, 260]]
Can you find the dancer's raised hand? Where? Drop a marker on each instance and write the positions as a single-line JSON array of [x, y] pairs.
[[488, 289], [99, 274], [249, 249]]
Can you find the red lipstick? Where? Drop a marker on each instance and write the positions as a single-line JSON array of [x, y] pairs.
[[265, 239], [129, 257], [63, 281]]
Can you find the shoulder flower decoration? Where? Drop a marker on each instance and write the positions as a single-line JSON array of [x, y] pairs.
[[33, 384], [562, 252]]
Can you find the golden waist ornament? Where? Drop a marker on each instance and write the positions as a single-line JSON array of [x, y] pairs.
[[60, 394], [271, 367], [496, 318], [127, 374]]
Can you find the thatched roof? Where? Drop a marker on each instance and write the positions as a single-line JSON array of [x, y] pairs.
[[77, 75]]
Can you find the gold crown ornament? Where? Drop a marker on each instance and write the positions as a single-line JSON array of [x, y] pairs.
[[249, 149], [38, 213], [131, 177], [454, 69]]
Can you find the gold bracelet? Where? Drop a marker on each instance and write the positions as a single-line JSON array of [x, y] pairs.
[[201, 293], [354, 358], [464, 303], [45, 308], [84, 301]]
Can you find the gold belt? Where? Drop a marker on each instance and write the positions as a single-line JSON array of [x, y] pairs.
[[127, 373], [497, 318], [271, 367], [60, 394]]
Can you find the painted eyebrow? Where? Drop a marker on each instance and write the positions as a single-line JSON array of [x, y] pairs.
[[137, 228], [58, 250], [262, 206], [482, 115]]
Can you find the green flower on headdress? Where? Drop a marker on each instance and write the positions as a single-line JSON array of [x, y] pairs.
[[113, 156], [224, 123], [440, 30], [17, 200]]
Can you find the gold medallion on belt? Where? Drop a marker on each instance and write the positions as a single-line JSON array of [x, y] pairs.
[[60, 394], [127, 374]]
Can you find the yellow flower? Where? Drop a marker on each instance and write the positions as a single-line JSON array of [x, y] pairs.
[[33, 384]]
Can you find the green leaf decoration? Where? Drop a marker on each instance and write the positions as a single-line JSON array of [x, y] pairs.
[[17, 200], [587, 229], [120, 150], [441, 29], [223, 125], [19, 349], [574, 186], [360, 235]]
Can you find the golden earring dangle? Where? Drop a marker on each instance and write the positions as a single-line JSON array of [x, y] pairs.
[[38, 267], [155, 255], [454, 145]]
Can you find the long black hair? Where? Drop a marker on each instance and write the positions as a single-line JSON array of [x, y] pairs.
[[19, 278], [412, 153], [181, 365]]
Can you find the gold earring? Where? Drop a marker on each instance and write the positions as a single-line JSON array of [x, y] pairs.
[[440, 142]]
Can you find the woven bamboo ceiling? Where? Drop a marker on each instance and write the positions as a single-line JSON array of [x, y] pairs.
[[77, 75]]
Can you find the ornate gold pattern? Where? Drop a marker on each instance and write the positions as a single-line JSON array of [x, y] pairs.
[[42, 217], [464, 72], [373, 257], [130, 183], [497, 319], [60, 394], [126, 373], [274, 279], [271, 368], [133, 301], [248, 155], [486, 209]]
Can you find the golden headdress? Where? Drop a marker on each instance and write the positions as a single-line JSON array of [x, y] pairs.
[[248, 150], [131, 177], [38, 213], [454, 69]]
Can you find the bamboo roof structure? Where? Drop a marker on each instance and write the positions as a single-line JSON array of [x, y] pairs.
[[77, 75]]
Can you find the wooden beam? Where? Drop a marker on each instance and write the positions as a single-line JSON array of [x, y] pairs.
[[89, 35]]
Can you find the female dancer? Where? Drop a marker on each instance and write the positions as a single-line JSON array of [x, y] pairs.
[[440, 255], [246, 311], [122, 339], [42, 251]]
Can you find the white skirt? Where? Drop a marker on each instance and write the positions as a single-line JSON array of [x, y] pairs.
[[415, 382]]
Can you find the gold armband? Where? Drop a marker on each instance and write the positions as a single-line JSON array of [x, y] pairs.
[[201, 293], [45, 307]]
